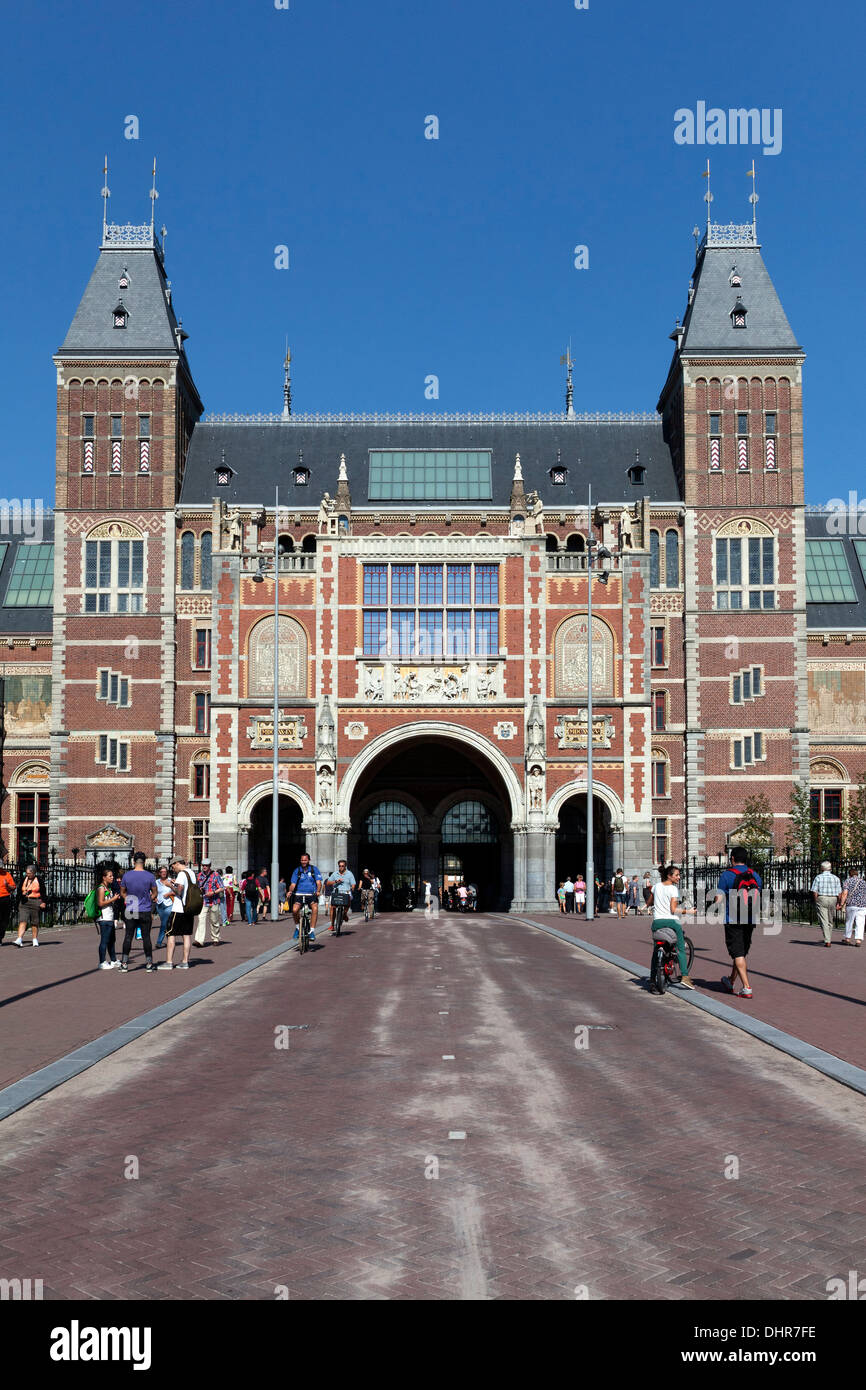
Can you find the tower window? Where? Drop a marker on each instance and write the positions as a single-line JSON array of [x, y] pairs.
[[735, 282], [558, 476], [743, 422], [770, 422], [715, 423], [87, 426], [636, 474], [223, 476], [120, 315], [738, 314], [302, 477]]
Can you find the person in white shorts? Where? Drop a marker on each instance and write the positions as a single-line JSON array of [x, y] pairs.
[[853, 899]]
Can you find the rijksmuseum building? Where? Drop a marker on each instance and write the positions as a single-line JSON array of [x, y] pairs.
[[433, 634]]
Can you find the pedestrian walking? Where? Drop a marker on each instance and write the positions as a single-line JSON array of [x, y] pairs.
[[8, 894], [665, 904], [826, 891], [32, 900], [252, 897], [181, 925], [619, 886], [568, 888], [634, 894], [647, 892], [603, 901], [163, 903], [265, 892], [853, 900], [108, 898], [560, 896], [740, 889], [580, 893], [230, 885], [368, 894], [211, 886], [139, 893]]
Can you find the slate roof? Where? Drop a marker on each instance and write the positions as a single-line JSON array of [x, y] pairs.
[[824, 617], [708, 323], [17, 621], [151, 324], [264, 455]]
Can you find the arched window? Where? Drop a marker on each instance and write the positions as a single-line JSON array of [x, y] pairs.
[[661, 783], [745, 555], [654, 560], [187, 560], [308, 545], [293, 658], [571, 657], [468, 823], [551, 543], [672, 560], [200, 777], [391, 823], [575, 544], [206, 566]]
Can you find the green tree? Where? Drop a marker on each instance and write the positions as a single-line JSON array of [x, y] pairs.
[[802, 832], [855, 823], [755, 831]]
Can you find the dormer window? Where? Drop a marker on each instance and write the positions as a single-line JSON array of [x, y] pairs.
[[301, 477], [123, 282], [636, 474], [223, 475], [558, 475], [735, 282], [738, 314], [120, 315]]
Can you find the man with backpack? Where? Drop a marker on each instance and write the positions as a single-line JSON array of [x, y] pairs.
[[619, 885], [740, 889], [186, 896], [306, 882]]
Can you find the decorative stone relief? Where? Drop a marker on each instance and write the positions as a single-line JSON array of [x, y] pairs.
[[356, 731], [293, 658], [472, 683], [261, 732], [571, 731], [505, 730]]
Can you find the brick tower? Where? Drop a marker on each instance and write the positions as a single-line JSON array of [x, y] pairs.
[[126, 407], [732, 414]]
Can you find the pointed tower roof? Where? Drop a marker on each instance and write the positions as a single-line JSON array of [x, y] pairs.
[[729, 253], [134, 254]]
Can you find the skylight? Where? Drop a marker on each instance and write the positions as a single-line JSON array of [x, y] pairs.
[[828, 576]]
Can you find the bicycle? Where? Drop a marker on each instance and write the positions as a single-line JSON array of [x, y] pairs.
[[340, 902], [305, 922], [665, 966]]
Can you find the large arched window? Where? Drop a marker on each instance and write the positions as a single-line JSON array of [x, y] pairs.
[[672, 560], [745, 563], [187, 560], [391, 823], [206, 564], [293, 658], [468, 823], [654, 560], [571, 657]]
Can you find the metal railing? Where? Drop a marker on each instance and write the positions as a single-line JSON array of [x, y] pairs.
[[789, 881]]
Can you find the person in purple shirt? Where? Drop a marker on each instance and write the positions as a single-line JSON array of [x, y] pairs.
[[138, 887]]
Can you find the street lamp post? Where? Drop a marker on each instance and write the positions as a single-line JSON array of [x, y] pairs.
[[603, 555], [275, 809]]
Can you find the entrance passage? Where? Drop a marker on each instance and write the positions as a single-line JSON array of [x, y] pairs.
[[434, 810], [571, 843], [292, 839]]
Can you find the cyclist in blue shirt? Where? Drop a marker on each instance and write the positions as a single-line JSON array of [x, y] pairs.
[[306, 882]]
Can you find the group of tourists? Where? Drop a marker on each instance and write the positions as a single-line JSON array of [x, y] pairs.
[[618, 895]]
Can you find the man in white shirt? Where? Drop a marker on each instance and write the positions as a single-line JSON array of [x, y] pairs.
[[568, 888], [665, 903], [181, 923]]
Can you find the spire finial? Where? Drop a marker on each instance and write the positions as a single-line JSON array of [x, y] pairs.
[[518, 471], [106, 194], [287, 384], [568, 362], [708, 197], [153, 197], [753, 198]]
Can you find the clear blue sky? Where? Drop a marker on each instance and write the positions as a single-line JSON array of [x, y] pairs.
[[409, 256]]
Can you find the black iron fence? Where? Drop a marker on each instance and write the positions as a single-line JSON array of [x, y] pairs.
[[788, 881], [65, 883]]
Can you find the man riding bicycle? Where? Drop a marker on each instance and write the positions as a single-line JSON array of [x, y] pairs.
[[342, 882], [305, 886]]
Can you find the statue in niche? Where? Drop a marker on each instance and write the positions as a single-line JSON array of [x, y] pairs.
[[325, 798], [625, 530]]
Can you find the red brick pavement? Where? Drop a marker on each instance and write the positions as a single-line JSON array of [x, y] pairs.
[[799, 986], [604, 1167], [53, 998]]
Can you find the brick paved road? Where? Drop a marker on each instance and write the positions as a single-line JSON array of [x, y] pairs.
[[305, 1167], [818, 995], [53, 999]]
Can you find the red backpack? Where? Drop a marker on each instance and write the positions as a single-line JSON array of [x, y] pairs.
[[747, 885]]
